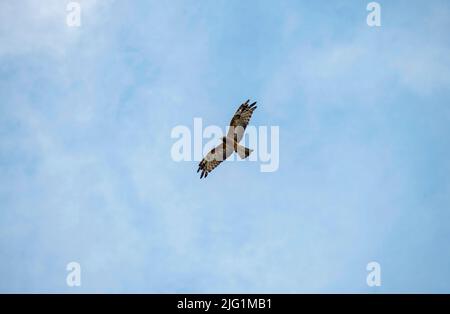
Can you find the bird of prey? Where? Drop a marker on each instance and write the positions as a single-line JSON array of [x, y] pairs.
[[230, 143]]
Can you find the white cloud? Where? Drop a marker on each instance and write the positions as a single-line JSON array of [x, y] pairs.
[[34, 26]]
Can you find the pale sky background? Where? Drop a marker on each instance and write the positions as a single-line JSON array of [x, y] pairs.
[[86, 173]]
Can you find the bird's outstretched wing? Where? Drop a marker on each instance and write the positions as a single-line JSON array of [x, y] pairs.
[[240, 120], [214, 158]]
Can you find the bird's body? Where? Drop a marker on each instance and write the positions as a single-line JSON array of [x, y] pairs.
[[230, 143]]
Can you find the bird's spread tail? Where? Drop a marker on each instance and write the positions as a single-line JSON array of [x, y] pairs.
[[243, 152]]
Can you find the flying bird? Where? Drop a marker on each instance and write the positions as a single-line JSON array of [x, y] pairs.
[[230, 143]]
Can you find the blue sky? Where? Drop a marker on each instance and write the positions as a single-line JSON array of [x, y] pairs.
[[86, 173]]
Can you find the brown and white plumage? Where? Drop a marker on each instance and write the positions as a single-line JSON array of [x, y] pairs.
[[215, 157], [230, 143], [240, 120]]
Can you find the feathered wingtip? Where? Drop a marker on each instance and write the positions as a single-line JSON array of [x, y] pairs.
[[201, 166], [204, 174], [252, 106]]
